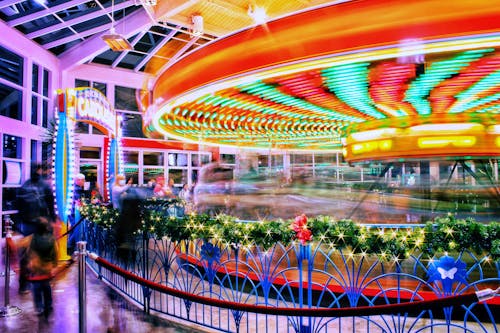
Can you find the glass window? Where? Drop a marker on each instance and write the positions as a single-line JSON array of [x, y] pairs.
[[81, 83], [90, 152], [325, 159], [45, 113], [179, 176], [172, 159], [194, 175], [100, 86], [12, 146], [182, 160], [11, 66], [301, 159], [204, 159], [81, 128], [131, 157], [46, 78], [34, 78], [132, 172], [195, 160], [46, 150], [152, 174], [97, 131], [11, 102], [177, 159], [228, 158], [34, 110], [153, 158], [263, 161], [132, 125], [12, 174], [9, 198], [125, 99], [277, 160], [33, 152]]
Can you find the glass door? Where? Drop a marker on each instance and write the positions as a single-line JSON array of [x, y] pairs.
[[93, 174]]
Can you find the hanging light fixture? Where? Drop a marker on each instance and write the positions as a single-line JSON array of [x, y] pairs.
[[115, 41], [197, 28]]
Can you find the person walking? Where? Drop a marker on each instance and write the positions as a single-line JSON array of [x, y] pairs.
[[119, 191], [33, 201], [41, 255]]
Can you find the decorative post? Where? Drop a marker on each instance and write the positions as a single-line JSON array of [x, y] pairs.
[[145, 272], [304, 261], [304, 235], [8, 310], [82, 287]]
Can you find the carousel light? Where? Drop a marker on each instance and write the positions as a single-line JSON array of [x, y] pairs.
[[440, 142]]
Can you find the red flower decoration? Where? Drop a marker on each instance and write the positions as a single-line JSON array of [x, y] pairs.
[[300, 227]]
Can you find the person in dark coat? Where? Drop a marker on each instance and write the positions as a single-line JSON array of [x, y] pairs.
[[42, 261], [34, 200]]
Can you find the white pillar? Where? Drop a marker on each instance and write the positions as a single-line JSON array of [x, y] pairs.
[[337, 166]]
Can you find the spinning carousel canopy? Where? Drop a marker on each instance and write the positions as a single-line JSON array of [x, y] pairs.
[[379, 79]]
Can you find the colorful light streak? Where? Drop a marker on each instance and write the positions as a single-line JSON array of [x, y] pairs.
[[301, 90]]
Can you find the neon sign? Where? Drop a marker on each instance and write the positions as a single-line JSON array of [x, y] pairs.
[[89, 104]]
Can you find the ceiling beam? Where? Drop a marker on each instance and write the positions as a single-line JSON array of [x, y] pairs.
[[186, 24], [78, 20], [93, 46], [7, 3], [45, 12], [176, 56], [80, 35], [170, 8], [157, 48]]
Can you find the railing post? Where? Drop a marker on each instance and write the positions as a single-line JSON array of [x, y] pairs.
[[304, 261], [8, 310], [82, 287], [145, 271]]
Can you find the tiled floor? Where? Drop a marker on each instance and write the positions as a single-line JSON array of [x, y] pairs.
[[106, 310]]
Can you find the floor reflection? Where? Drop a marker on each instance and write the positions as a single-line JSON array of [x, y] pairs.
[[107, 311]]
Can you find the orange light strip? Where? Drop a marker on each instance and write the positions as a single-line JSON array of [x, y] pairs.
[[314, 33]]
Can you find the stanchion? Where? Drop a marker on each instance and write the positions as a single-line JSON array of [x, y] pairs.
[[82, 287], [8, 310]]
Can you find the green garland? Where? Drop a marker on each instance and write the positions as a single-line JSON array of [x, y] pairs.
[[101, 215], [444, 234]]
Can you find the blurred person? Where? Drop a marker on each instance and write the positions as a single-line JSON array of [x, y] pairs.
[[171, 188], [47, 175], [151, 183], [42, 260], [158, 189], [185, 193], [79, 195], [118, 191], [163, 190], [79, 192], [95, 195], [34, 200]]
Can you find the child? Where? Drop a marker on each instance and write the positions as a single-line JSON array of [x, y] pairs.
[[42, 260]]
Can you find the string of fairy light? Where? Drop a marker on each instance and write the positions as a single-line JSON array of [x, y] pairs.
[[444, 234]]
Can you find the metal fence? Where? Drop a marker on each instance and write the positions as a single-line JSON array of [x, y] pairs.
[[313, 276]]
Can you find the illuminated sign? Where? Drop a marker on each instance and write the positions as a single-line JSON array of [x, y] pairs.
[[91, 105]]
